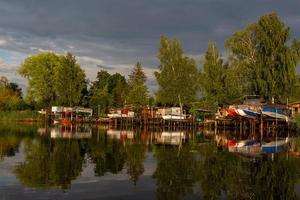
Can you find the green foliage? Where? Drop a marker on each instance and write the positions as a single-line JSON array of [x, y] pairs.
[[107, 91], [176, 172], [54, 164], [101, 99], [24, 115], [53, 79], [178, 75], [40, 71], [118, 88], [297, 120], [10, 96], [266, 58], [137, 89], [220, 83], [70, 81], [135, 154]]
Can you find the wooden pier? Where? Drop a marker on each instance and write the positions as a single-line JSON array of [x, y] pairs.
[[262, 127], [152, 123]]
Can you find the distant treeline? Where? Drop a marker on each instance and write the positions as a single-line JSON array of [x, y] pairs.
[[260, 60]]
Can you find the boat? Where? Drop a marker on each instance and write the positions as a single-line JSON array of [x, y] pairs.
[[247, 113], [231, 111], [276, 111], [275, 146], [173, 117], [244, 143]]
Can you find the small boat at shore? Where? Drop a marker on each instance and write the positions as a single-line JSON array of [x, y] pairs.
[[173, 117]]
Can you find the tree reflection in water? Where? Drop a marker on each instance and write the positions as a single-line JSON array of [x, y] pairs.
[[50, 163], [196, 168], [135, 156], [176, 172], [239, 177], [11, 137]]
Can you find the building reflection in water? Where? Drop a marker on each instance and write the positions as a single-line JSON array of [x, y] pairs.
[[72, 131], [52, 161]]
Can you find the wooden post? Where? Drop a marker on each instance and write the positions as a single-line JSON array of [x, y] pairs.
[[261, 128], [216, 126]]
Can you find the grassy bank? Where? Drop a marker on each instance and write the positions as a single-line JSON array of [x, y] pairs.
[[25, 116]]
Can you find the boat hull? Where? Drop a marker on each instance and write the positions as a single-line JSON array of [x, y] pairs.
[[247, 113], [173, 117]]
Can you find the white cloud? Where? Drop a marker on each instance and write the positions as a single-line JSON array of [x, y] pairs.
[[3, 42], [90, 60]]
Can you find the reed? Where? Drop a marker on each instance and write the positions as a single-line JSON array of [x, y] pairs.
[[26, 115]]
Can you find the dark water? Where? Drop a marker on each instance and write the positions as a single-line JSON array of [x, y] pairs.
[[96, 163]]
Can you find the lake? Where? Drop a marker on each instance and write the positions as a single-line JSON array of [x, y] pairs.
[[38, 162]]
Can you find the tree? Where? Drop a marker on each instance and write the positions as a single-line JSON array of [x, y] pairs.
[[53, 79], [101, 100], [135, 156], [213, 75], [70, 81], [178, 75], [218, 81], [137, 89], [55, 163], [117, 88], [10, 95], [107, 91], [267, 57], [40, 71]]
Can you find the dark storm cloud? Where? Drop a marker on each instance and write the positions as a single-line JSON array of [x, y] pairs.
[[116, 33]]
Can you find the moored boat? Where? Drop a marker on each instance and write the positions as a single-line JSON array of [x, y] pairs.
[[247, 113], [276, 111], [173, 117]]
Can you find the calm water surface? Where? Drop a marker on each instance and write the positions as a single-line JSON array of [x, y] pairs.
[[96, 163]]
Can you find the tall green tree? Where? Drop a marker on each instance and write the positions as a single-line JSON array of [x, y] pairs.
[[137, 89], [218, 81], [53, 79], [267, 57], [213, 74], [107, 91], [70, 81], [40, 69], [178, 75], [117, 88]]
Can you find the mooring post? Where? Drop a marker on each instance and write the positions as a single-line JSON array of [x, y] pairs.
[[216, 125], [261, 128]]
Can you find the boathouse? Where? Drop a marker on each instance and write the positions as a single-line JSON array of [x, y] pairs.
[[295, 108]]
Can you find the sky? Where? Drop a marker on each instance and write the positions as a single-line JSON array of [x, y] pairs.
[[113, 35]]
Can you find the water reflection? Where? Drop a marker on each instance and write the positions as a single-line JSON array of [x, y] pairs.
[[50, 163], [182, 164], [72, 131]]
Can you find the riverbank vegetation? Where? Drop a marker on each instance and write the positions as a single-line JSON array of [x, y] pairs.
[[261, 60]]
